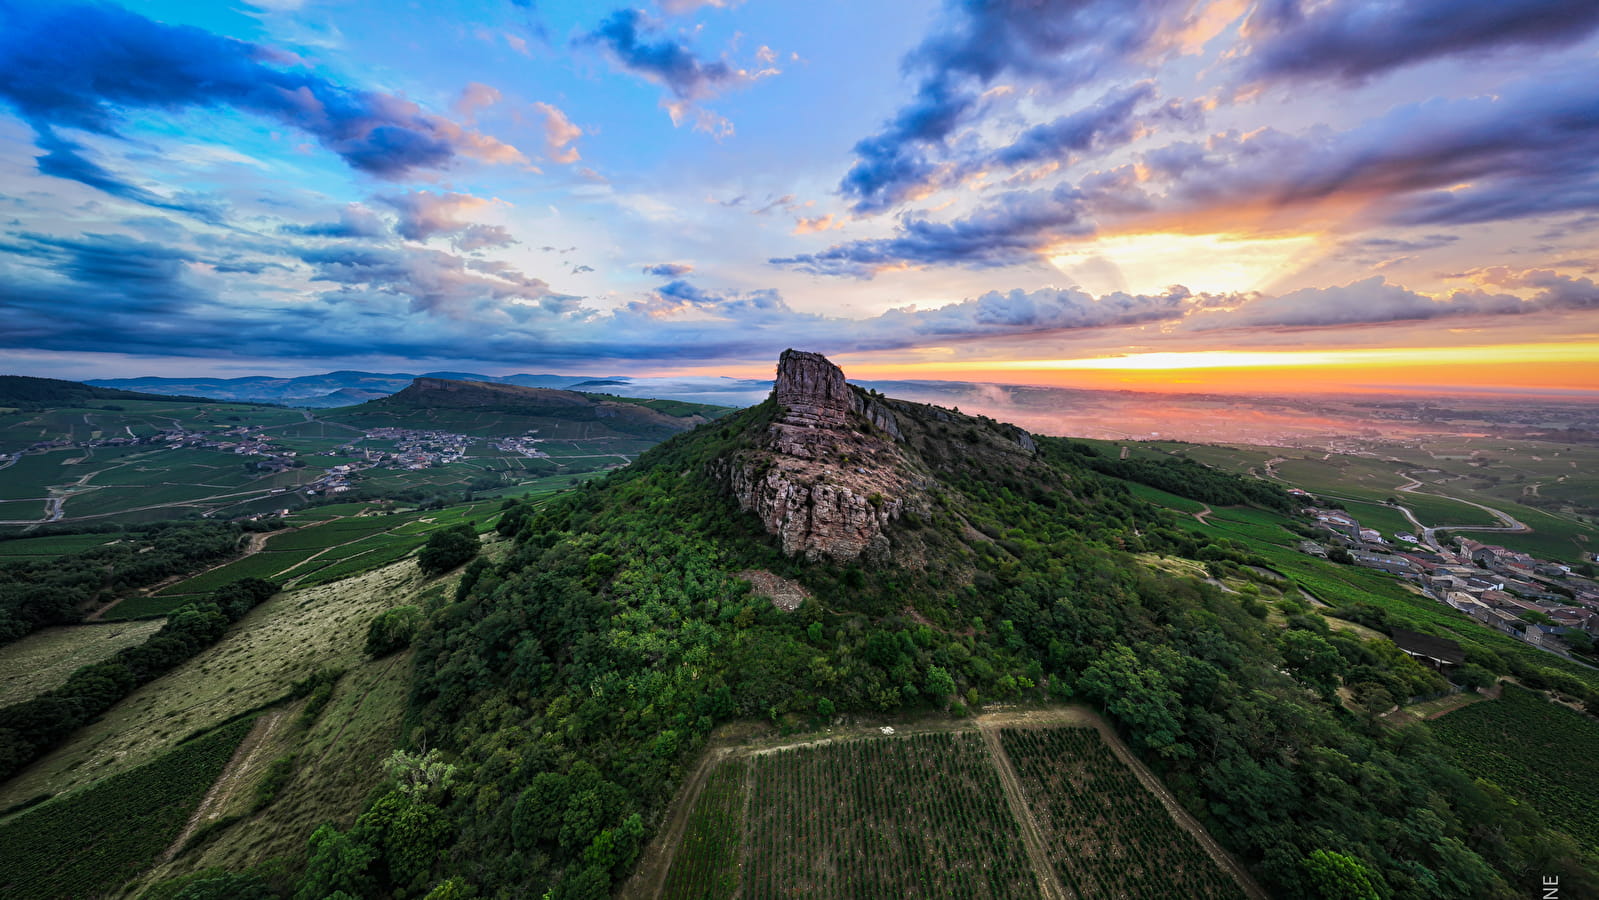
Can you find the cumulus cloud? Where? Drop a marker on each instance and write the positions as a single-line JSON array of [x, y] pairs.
[[1369, 301], [559, 133], [668, 270], [111, 271], [355, 221], [680, 7], [82, 66], [1530, 150], [422, 301], [1354, 40], [638, 45], [813, 224], [68, 159], [425, 214], [1013, 228], [475, 96], [433, 281]]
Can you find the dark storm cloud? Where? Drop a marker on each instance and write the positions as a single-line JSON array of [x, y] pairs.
[[1012, 229], [629, 36], [1353, 40], [106, 271], [82, 65], [1062, 44]]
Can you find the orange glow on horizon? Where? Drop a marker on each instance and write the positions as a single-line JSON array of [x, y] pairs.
[[1532, 367]]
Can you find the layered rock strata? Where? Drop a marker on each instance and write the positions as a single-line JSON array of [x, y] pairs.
[[830, 477]]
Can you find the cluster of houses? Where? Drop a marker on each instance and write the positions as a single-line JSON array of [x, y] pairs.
[[244, 440], [1539, 602], [414, 449]]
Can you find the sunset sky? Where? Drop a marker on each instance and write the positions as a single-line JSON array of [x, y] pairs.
[[1178, 194]]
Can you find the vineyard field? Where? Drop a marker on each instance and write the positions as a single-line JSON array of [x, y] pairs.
[[1105, 835], [917, 816], [706, 865], [1527, 746], [81, 845]]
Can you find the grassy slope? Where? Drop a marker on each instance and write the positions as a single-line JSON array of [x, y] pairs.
[[337, 762], [43, 660], [277, 643]]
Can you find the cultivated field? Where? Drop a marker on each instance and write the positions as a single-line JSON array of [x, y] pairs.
[[91, 842], [1106, 836], [1550, 487], [334, 764], [279, 642], [708, 861], [1537, 751], [954, 808], [919, 816]]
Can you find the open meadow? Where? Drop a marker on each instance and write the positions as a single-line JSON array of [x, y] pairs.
[[42, 661]]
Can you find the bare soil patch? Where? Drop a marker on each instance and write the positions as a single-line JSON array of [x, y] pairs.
[[786, 595]]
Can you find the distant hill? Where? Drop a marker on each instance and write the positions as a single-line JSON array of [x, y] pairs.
[[329, 389], [496, 408], [27, 393]]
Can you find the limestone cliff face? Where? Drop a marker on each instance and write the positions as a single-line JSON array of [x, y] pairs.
[[830, 477]]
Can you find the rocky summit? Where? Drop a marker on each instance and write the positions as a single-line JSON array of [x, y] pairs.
[[830, 474]]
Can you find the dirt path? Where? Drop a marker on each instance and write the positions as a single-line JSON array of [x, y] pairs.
[[1037, 851], [649, 879], [230, 782], [1202, 514], [252, 546]]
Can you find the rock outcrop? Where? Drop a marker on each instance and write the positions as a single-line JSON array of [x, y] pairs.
[[830, 477], [811, 390]]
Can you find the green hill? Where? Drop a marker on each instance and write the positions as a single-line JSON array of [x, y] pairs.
[[487, 408], [26, 393]]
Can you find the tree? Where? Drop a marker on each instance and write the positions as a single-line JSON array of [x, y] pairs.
[[940, 684], [447, 549], [426, 777], [337, 863], [1312, 660], [1473, 677], [392, 630], [1340, 877], [1139, 696]]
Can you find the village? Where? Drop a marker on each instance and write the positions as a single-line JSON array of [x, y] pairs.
[[1546, 604], [404, 449]]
